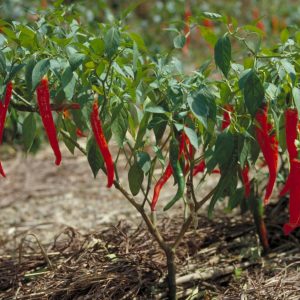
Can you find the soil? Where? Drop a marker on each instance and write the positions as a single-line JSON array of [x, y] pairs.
[[64, 235]]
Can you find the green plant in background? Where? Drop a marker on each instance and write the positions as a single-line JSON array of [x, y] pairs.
[[208, 118]]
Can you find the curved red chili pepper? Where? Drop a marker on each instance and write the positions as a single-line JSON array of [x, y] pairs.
[[294, 203], [245, 179], [160, 183], [291, 131], [269, 147], [43, 99], [228, 108], [3, 112], [102, 143]]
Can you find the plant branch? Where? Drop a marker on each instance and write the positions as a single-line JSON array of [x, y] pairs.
[[189, 220], [151, 227]]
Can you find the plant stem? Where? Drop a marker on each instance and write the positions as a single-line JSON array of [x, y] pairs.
[[170, 255], [260, 225]]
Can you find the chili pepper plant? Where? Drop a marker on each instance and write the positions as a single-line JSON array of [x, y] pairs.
[[234, 110]]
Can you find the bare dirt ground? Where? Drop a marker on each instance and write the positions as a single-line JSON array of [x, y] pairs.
[[64, 235]]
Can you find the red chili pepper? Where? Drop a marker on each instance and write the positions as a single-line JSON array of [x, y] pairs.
[[3, 111], [208, 23], [260, 24], [291, 132], [43, 99], [226, 116], [269, 147], [160, 183], [294, 202], [246, 181], [79, 133], [102, 143], [200, 168]]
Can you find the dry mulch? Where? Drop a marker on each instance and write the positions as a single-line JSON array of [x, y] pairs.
[[217, 260], [61, 238]]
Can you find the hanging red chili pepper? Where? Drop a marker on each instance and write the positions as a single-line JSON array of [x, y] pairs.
[[43, 99], [3, 112], [160, 183], [294, 203], [102, 143], [228, 109], [269, 147], [291, 131], [245, 179]]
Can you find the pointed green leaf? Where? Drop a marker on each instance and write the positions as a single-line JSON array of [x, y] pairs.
[[179, 41], [29, 131], [223, 54], [254, 93], [39, 70], [94, 156], [135, 178], [112, 41]]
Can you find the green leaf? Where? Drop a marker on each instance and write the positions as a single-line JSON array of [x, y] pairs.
[[179, 41], [290, 69], [71, 128], [144, 161], [15, 69], [2, 63], [235, 198], [98, 46], [39, 70], [223, 54], [28, 74], [225, 187], [112, 41], [94, 156], [68, 83], [254, 93], [158, 124], [211, 16], [29, 131], [120, 125], [296, 96], [142, 130], [192, 135], [155, 109], [224, 149], [76, 59], [284, 35], [135, 178], [203, 105]]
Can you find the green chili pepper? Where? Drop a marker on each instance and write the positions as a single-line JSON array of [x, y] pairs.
[[177, 172]]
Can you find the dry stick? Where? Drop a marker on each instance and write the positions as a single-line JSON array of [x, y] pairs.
[[41, 247]]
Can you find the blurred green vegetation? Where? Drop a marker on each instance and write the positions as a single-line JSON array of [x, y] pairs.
[[159, 21]]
